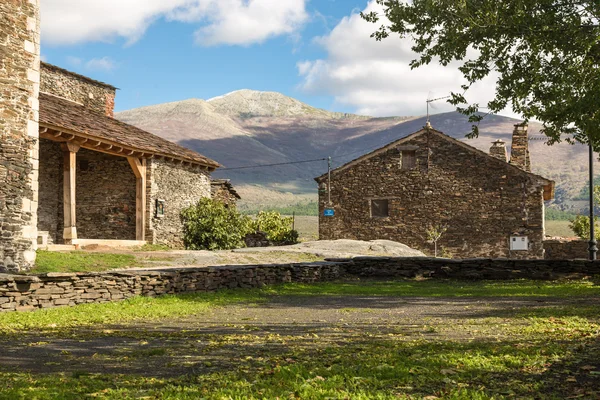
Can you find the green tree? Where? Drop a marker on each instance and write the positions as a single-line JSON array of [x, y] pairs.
[[210, 225], [278, 228], [581, 223], [545, 52]]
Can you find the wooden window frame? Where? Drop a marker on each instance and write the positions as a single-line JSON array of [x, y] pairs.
[[408, 155], [387, 208]]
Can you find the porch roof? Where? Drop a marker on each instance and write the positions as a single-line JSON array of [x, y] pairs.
[[73, 122]]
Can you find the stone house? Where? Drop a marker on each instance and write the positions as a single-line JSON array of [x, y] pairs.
[[490, 207], [104, 179], [71, 173], [223, 190]]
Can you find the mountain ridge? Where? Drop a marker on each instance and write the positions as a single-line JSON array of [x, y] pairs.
[[249, 128]]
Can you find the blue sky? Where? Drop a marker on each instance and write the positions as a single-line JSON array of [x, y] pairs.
[[318, 51]]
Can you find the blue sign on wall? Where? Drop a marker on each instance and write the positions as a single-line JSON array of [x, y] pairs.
[[329, 212]]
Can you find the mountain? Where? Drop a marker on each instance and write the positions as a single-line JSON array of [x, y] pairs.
[[249, 128]]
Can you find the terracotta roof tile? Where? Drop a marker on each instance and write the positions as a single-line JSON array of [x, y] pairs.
[[58, 113]]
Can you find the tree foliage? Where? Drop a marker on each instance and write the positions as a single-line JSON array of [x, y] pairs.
[[581, 223], [210, 225], [278, 228], [545, 52]]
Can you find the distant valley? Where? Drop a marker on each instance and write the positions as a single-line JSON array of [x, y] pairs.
[[247, 128]]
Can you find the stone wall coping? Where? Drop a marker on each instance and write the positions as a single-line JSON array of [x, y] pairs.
[[564, 240]]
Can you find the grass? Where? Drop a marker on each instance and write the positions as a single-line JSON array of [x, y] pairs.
[[132, 310], [79, 261], [559, 228], [525, 353], [437, 288], [153, 309]]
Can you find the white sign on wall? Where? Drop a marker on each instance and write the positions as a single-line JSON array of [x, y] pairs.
[[519, 243]]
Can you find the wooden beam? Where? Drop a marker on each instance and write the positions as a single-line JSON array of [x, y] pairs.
[[69, 190], [139, 170]]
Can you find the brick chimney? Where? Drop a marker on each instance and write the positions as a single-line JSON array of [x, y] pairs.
[[519, 154], [498, 150]]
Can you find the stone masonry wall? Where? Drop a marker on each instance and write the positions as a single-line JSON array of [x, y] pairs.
[[566, 249], [50, 208], [19, 116], [105, 197], [179, 186], [221, 193], [26, 293], [79, 89], [481, 200]]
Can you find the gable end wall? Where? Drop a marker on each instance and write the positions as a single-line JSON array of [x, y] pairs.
[[481, 201], [95, 97]]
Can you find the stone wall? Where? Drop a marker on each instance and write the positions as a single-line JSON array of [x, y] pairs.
[[19, 108], [24, 293], [50, 210], [481, 200], [566, 249], [179, 186], [94, 95], [105, 196], [222, 190]]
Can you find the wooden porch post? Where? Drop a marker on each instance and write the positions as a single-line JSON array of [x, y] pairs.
[[139, 169], [69, 190]]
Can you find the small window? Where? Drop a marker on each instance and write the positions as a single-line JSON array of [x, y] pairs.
[[379, 208], [84, 165], [409, 159]]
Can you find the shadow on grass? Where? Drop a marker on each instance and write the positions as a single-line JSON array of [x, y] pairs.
[[240, 365]]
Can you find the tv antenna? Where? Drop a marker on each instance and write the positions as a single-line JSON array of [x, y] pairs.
[[430, 100]]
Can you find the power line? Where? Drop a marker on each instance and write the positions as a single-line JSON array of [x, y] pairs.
[[273, 165]]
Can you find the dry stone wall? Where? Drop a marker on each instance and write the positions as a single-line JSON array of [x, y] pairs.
[[26, 293], [50, 210], [30, 292], [178, 186], [93, 95], [105, 196], [566, 249], [19, 115], [481, 200]]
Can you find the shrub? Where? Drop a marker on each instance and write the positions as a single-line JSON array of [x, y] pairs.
[[278, 229], [581, 226], [210, 225]]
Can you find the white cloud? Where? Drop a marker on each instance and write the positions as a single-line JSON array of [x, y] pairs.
[[374, 78], [74, 61], [231, 22], [101, 64]]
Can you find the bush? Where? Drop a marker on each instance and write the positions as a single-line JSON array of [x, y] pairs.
[[210, 225], [581, 226], [278, 229]]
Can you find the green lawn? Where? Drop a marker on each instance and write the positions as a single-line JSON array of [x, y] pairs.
[[79, 261], [361, 351], [559, 228]]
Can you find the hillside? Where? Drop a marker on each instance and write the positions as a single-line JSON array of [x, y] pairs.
[[247, 128]]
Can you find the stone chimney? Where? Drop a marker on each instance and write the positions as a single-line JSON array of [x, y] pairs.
[[498, 150], [519, 154], [19, 132]]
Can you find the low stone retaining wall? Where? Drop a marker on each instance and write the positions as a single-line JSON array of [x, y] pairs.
[[26, 293], [30, 292], [475, 269], [566, 249]]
